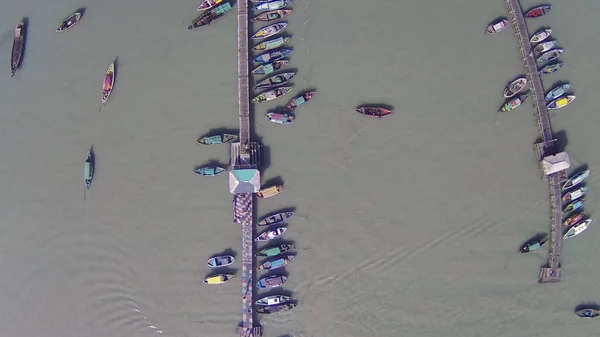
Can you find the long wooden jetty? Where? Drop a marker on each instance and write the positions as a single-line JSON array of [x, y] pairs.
[[546, 146]]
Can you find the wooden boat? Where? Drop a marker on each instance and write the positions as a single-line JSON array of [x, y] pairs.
[[272, 44], [209, 171], [269, 68], [275, 81], [269, 30], [544, 46], [538, 11], [280, 118], [272, 15], [270, 234], [277, 262], [70, 21], [575, 205], [514, 103], [373, 111], [550, 68], [273, 55], [269, 191], [299, 101], [109, 82], [271, 94], [550, 55], [271, 5], [558, 91], [498, 26], [271, 281], [275, 250], [275, 219], [218, 139], [561, 102], [220, 261], [273, 300], [16, 54], [219, 279], [573, 219], [533, 244], [515, 87], [576, 194], [590, 312], [207, 4], [540, 35], [576, 179], [577, 229], [211, 16], [88, 169], [271, 309]]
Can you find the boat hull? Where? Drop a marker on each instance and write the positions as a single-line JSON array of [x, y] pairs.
[[557, 92], [269, 30], [273, 56], [69, 22], [376, 112], [273, 300], [275, 81], [538, 11], [276, 263], [220, 261], [275, 219], [88, 169], [576, 180], [265, 310], [209, 171], [299, 101], [109, 82], [574, 195], [271, 234], [218, 139], [513, 103], [550, 55], [275, 250], [550, 68], [271, 94], [515, 87], [272, 281], [272, 15], [577, 229], [269, 191], [540, 35], [16, 55], [561, 102], [588, 312], [497, 27], [219, 279], [272, 44]]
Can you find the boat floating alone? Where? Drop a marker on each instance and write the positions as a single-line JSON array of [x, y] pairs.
[[589, 312], [576, 179], [16, 54], [533, 244], [299, 101], [373, 111], [88, 169], [70, 21], [109, 82], [497, 27], [280, 118]]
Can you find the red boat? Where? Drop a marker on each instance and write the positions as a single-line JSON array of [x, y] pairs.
[[574, 219], [538, 11], [373, 111]]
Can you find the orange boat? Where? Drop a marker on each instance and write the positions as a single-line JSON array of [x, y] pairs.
[[269, 191]]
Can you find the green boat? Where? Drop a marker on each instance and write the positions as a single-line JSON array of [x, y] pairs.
[[209, 171], [218, 139], [211, 16], [269, 68], [514, 103], [550, 68], [271, 94], [275, 250], [272, 44]]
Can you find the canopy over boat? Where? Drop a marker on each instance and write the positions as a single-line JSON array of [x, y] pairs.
[[269, 191], [533, 244], [218, 279], [555, 163], [514, 103], [275, 250], [558, 91], [272, 44], [561, 102], [273, 300], [498, 26], [218, 139], [576, 194], [576, 179], [271, 281], [277, 262]]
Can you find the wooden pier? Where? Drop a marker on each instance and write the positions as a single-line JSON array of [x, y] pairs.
[[550, 272]]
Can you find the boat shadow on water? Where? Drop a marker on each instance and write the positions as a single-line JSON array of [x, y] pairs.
[[25, 34], [222, 270], [81, 11], [587, 305]]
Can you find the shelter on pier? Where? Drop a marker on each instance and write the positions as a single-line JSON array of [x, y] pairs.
[[244, 181], [555, 163]]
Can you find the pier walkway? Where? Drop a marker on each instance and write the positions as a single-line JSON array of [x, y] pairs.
[[551, 272]]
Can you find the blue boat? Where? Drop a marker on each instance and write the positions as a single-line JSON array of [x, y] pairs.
[[558, 91], [276, 262], [575, 205], [209, 171], [273, 55], [271, 281]]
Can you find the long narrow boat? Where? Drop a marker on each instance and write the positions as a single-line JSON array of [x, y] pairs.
[[277, 262], [275, 308], [299, 101], [220, 261], [515, 87], [533, 244], [540, 35], [497, 27], [269, 68], [373, 111], [550, 68], [575, 205], [514, 103], [269, 191], [70, 21], [218, 139], [272, 44], [219, 279], [550, 55], [561, 102], [558, 91], [211, 16], [577, 229], [269, 30], [280, 118], [576, 194], [271, 281], [275, 219], [576, 179], [207, 4], [273, 300], [271, 5], [16, 54], [544, 46], [538, 11], [272, 15], [273, 55], [88, 169], [573, 219], [270, 234], [591, 312], [275, 81], [271, 94], [109, 82], [209, 171], [275, 250]]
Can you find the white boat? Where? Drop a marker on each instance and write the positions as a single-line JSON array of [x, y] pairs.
[[273, 300], [544, 46], [540, 35], [576, 194], [577, 228], [576, 179]]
